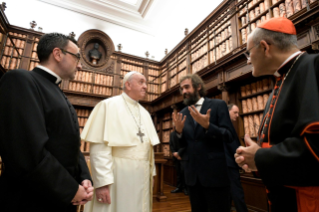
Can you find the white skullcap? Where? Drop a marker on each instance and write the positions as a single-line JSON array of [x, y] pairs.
[[128, 75]]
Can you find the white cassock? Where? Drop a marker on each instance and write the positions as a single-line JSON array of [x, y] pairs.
[[118, 157]]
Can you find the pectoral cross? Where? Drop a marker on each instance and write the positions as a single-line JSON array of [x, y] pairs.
[[140, 134]]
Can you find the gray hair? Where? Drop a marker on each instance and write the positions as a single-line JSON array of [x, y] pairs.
[[230, 106], [128, 77], [282, 41]]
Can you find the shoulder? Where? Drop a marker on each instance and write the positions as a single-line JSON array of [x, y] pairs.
[[18, 76], [215, 101], [112, 100]]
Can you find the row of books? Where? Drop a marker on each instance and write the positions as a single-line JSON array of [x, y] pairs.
[[254, 103], [8, 63], [252, 88], [221, 50]]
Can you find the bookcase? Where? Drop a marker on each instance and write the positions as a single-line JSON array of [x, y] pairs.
[[83, 115], [253, 100], [214, 50]]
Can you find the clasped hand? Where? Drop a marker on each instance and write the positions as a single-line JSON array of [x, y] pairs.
[[84, 193], [245, 156]]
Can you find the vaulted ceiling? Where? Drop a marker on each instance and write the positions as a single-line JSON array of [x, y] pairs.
[[132, 14], [139, 25]]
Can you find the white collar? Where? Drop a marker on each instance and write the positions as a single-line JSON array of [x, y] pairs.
[[200, 101], [58, 78], [276, 74], [129, 99]]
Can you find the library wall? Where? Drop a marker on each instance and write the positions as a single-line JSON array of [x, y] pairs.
[[214, 50]]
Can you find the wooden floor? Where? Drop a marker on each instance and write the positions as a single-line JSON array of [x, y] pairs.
[[178, 202]]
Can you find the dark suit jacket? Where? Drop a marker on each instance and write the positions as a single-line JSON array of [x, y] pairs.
[[39, 144], [204, 156]]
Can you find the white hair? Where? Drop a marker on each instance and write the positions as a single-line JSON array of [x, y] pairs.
[[284, 42], [128, 77]]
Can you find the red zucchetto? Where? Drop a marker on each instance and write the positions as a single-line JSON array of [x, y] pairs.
[[280, 24]]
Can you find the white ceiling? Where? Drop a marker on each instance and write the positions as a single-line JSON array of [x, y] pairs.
[[131, 14], [139, 25]]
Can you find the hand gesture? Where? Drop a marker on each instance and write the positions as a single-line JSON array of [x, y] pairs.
[[80, 197], [245, 156], [103, 194], [179, 121], [202, 119]]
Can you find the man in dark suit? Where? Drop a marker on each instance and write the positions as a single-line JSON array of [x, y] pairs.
[[236, 190], [39, 134], [176, 151], [202, 127]]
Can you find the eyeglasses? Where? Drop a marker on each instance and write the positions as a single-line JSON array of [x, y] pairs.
[[247, 53], [77, 56]]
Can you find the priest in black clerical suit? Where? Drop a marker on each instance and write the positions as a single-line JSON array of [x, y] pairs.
[[288, 159], [39, 135], [202, 128]]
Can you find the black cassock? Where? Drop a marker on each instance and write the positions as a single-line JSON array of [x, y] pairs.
[[39, 144], [290, 166]]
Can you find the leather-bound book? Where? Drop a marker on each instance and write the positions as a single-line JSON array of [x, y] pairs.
[[243, 21], [35, 46], [266, 3], [248, 89], [262, 7], [297, 5], [265, 84], [275, 11], [246, 125], [8, 43], [303, 4], [253, 87], [78, 87], [259, 86], [13, 63], [243, 36], [274, 1], [263, 18], [261, 117], [253, 26], [282, 10], [260, 102], [289, 8], [256, 123], [244, 106], [250, 4], [251, 15], [268, 16], [22, 44], [18, 43], [249, 105], [3, 61], [87, 147], [265, 97], [34, 55], [251, 126], [6, 50], [254, 103], [257, 11], [31, 66]]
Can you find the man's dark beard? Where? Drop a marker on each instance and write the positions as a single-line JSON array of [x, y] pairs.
[[192, 99]]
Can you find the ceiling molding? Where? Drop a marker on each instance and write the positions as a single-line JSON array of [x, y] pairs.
[[126, 17]]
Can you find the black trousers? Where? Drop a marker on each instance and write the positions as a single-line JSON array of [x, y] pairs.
[[179, 174], [236, 190], [209, 199]]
